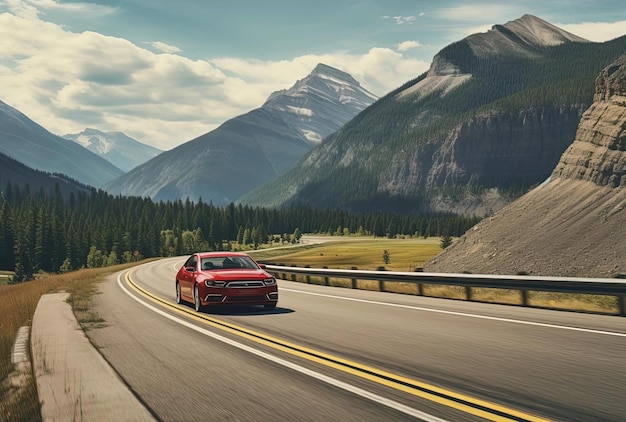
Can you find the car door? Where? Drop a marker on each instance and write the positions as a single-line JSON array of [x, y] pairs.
[[187, 277]]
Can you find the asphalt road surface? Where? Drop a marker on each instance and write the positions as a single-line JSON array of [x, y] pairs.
[[333, 354]]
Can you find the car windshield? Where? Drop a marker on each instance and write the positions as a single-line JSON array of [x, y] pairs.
[[225, 262]]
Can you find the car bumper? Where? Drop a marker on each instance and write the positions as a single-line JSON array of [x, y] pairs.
[[239, 296]]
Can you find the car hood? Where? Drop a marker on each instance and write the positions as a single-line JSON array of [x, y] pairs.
[[237, 274]]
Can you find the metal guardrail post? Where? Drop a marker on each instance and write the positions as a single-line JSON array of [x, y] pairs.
[[524, 294], [353, 280], [420, 289], [381, 285], [622, 305], [468, 293], [326, 279], [308, 277]]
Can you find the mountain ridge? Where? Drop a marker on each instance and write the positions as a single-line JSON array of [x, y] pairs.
[[118, 148], [31, 144], [250, 149], [409, 147]]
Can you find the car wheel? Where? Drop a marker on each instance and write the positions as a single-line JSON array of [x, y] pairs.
[[196, 299], [178, 299], [269, 306]]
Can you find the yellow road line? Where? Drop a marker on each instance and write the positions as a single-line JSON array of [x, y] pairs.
[[477, 407]]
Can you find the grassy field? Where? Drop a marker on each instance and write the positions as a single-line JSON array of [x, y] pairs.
[[363, 253]]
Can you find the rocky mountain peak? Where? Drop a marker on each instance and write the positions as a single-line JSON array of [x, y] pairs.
[[323, 70], [598, 153], [320, 103], [115, 147], [520, 36]]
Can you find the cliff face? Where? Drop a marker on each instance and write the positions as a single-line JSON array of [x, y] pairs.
[[598, 153], [494, 149], [575, 224]]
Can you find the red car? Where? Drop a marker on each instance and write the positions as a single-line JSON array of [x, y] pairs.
[[225, 278]]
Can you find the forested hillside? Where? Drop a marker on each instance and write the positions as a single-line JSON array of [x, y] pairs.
[[504, 127], [44, 231], [12, 171]]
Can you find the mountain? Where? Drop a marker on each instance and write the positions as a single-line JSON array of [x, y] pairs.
[[120, 150], [31, 144], [487, 121], [12, 173], [253, 148], [573, 225]]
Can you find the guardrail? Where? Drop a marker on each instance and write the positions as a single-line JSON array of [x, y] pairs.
[[524, 284]]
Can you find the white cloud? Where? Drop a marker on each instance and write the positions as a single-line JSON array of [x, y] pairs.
[[68, 81], [20, 8], [85, 9], [380, 70], [487, 12], [165, 48], [409, 45], [596, 31], [404, 19], [400, 20]]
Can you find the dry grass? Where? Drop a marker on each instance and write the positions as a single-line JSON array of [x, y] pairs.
[[18, 303], [365, 254]]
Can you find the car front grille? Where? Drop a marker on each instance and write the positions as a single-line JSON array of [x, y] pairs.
[[244, 283]]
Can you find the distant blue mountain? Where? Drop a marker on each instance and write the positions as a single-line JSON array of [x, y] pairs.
[[119, 149], [31, 144]]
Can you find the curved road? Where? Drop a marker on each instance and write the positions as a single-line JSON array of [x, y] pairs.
[[338, 354]]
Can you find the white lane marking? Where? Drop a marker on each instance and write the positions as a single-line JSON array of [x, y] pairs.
[[464, 314], [336, 383]]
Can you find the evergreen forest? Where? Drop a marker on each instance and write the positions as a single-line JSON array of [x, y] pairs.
[[57, 232]]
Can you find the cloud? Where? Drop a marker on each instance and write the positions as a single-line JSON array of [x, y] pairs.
[[409, 45], [479, 13], [68, 81], [379, 70], [84, 9], [165, 48], [400, 20], [596, 31]]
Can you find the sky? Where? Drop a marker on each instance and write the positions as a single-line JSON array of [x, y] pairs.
[[167, 71]]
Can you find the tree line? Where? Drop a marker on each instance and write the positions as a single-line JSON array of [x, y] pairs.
[[53, 232]]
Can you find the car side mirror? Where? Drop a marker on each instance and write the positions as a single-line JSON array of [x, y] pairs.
[[190, 269], [262, 266]]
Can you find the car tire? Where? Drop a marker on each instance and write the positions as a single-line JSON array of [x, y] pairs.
[[269, 306], [178, 298], [197, 305]]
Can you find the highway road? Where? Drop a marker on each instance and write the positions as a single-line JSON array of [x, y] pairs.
[[333, 354]]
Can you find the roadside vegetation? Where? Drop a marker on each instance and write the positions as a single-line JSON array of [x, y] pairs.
[[19, 401]]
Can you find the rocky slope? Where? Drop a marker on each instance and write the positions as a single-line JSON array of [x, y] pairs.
[[573, 225]]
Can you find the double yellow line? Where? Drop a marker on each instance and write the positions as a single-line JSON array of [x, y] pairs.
[[480, 408]]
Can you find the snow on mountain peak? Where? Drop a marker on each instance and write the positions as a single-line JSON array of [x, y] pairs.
[[119, 149], [320, 103]]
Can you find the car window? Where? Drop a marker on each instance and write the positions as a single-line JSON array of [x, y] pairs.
[[191, 262], [226, 262]]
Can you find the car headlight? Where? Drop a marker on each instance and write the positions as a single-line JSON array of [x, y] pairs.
[[214, 283], [269, 281]]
